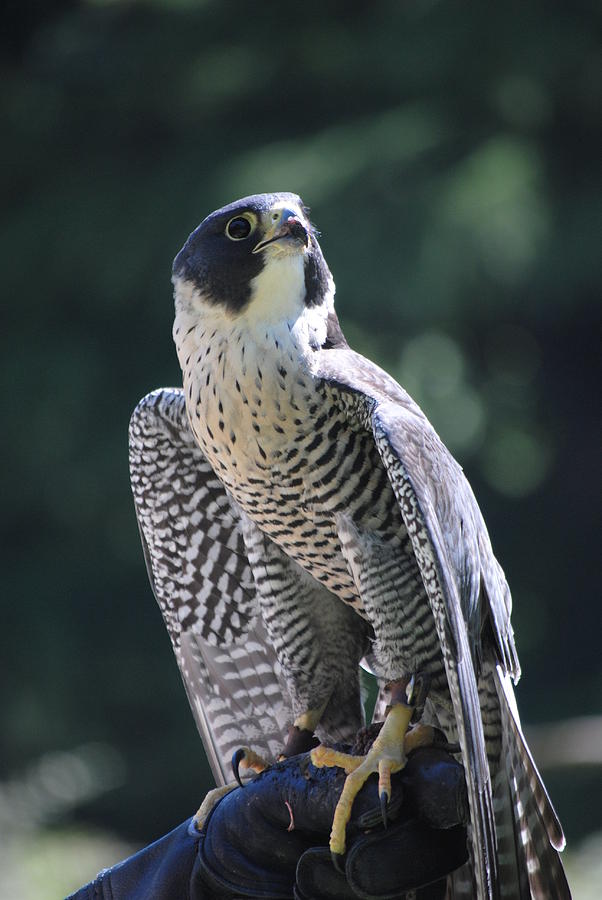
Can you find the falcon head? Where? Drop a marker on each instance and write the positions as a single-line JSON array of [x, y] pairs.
[[259, 252]]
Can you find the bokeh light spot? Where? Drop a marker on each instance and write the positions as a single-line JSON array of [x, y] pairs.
[[516, 462]]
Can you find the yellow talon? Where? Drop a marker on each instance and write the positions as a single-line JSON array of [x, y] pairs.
[[419, 736], [248, 759], [385, 757], [327, 756], [342, 814], [254, 761], [384, 778], [308, 720]]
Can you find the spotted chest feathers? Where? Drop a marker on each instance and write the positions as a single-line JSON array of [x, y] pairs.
[[246, 377], [248, 400], [282, 444]]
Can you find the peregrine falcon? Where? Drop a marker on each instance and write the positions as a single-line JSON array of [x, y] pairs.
[[300, 516]]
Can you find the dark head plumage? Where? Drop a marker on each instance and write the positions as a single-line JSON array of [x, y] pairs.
[[228, 249]]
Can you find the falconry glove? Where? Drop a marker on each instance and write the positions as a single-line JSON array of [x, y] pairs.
[[269, 840], [273, 833]]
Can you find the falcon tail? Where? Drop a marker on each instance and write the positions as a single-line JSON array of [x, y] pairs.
[[529, 834]]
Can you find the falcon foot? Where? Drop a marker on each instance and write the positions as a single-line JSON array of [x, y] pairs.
[[386, 756], [248, 759], [243, 756]]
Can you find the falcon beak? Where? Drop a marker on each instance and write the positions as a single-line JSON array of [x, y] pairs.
[[284, 224]]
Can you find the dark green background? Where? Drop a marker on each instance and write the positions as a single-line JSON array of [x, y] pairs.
[[451, 157]]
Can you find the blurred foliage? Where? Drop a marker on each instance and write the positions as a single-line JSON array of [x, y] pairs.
[[450, 154], [50, 864]]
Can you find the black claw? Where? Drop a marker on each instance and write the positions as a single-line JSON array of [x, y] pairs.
[[337, 861], [237, 758], [384, 800]]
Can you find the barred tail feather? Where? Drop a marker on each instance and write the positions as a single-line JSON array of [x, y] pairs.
[[529, 833]]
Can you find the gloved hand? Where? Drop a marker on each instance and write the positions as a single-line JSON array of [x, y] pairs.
[[270, 838]]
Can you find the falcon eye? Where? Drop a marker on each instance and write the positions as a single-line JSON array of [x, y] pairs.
[[238, 228]]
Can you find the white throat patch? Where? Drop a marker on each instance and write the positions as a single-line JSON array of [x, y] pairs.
[[276, 311], [277, 293], [278, 298]]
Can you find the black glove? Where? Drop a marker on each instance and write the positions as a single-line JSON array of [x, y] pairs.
[[247, 850], [261, 840]]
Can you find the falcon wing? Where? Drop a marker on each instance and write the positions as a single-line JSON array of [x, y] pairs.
[[464, 583], [200, 574]]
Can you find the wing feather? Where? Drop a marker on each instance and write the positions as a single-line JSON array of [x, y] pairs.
[[199, 571], [464, 583]]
